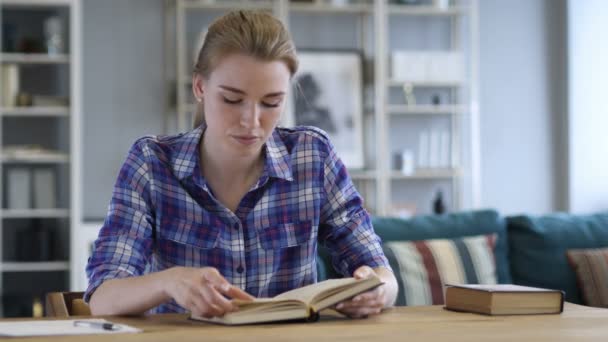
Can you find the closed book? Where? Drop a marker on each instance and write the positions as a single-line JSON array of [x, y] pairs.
[[300, 304], [503, 299]]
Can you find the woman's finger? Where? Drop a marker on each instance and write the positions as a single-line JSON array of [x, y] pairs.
[[361, 312], [211, 307], [218, 299], [212, 276], [236, 293]]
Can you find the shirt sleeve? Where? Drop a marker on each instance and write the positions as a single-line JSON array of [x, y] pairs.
[[124, 245], [345, 226]]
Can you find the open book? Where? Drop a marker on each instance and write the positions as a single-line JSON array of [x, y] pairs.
[[299, 304]]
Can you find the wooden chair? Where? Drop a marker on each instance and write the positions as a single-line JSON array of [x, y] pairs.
[[65, 304]]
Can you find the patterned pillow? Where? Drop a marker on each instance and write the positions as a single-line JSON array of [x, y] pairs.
[[591, 268], [423, 267]]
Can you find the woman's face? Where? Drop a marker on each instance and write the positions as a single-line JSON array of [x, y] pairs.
[[243, 100]]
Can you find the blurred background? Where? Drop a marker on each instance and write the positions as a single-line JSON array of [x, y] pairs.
[[435, 106]]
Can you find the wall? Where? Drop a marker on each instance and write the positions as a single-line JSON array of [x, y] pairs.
[[522, 75], [123, 89], [588, 109]]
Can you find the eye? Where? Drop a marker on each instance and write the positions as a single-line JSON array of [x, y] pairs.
[[226, 100], [271, 105]]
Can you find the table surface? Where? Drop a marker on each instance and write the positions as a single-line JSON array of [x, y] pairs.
[[416, 323]]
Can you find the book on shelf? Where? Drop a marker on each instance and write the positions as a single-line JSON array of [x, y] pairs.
[[503, 299], [300, 304]]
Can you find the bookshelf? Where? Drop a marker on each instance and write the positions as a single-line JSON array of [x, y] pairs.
[[39, 149]]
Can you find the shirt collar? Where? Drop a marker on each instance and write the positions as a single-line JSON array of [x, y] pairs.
[[278, 161], [185, 157]]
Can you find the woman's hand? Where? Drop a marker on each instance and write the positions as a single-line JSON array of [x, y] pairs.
[[371, 302], [202, 291]]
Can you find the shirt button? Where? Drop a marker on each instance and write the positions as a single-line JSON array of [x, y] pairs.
[[240, 269], [236, 226]]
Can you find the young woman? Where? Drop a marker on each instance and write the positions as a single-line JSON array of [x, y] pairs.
[[234, 208]]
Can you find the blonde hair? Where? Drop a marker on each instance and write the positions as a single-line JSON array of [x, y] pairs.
[[248, 32]]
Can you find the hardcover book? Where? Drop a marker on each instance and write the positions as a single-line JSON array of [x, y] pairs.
[[503, 299]]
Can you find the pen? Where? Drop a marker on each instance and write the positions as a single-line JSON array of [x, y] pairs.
[[98, 325]]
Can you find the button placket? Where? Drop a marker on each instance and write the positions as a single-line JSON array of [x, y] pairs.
[[239, 248]]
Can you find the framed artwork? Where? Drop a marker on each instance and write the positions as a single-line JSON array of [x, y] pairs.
[[328, 94]]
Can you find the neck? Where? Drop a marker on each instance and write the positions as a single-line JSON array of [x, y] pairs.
[[219, 165]]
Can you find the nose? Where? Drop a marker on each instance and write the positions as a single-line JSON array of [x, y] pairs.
[[250, 117]]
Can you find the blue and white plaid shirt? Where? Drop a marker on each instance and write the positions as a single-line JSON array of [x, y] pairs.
[[163, 214]]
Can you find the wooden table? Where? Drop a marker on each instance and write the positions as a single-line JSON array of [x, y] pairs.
[[423, 323]]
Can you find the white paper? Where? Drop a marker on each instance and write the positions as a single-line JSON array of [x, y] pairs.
[[58, 327]]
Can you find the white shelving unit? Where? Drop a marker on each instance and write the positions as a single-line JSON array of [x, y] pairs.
[[24, 125], [378, 182]]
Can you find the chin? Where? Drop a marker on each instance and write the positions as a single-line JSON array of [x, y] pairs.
[[246, 150]]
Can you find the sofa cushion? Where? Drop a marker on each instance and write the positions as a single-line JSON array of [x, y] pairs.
[[455, 225], [591, 268], [538, 248], [422, 268]]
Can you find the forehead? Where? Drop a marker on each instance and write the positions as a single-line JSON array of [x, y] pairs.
[[241, 71]]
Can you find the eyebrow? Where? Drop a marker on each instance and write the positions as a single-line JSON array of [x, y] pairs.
[[238, 91]]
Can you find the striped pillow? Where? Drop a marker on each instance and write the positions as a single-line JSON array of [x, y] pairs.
[[423, 267], [591, 267]]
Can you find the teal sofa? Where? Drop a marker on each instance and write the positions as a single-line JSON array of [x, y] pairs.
[[530, 250]]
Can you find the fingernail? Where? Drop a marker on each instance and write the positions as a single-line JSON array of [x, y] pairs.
[[226, 287], [356, 299], [340, 306]]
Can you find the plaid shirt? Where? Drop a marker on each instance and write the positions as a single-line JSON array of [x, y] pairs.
[[163, 214]]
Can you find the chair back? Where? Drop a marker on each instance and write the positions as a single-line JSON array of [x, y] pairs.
[[65, 304]]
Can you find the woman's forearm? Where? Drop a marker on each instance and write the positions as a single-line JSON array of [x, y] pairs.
[[130, 296]]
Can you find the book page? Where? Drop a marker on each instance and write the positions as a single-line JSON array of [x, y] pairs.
[[308, 293], [500, 287]]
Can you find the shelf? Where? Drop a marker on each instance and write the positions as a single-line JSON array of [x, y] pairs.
[[426, 174], [227, 5], [322, 8], [42, 158], [34, 58], [425, 109], [417, 10], [362, 174], [35, 111], [40, 3], [34, 213], [425, 84], [41, 266]]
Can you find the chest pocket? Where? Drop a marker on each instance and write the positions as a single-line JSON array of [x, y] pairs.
[[190, 233], [286, 235]]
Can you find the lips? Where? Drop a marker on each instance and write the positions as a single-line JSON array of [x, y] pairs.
[[246, 139]]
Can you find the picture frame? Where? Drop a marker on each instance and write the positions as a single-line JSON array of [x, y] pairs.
[[328, 94]]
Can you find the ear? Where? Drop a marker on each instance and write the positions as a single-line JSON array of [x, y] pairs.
[[198, 86]]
